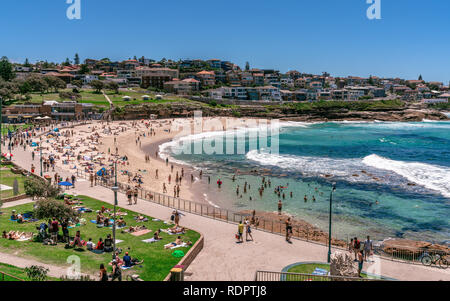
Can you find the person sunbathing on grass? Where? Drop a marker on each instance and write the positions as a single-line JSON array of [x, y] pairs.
[[177, 230], [121, 222], [4, 235], [177, 242], [13, 235]]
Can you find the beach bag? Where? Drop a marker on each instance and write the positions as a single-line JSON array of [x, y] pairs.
[[237, 236]]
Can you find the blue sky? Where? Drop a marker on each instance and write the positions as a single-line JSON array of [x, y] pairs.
[[311, 36]]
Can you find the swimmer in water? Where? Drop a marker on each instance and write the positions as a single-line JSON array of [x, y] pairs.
[[305, 198]]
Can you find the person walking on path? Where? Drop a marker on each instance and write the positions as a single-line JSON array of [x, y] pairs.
[[73, 180], [288, 229], [240, 232], [368, 248], [135, 195], [129, 194], [248, 230], [103, 273], [356, 247], [360, 262], [116, 271]]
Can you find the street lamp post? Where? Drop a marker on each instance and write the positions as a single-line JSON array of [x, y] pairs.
[[115, 189], [329, 222], [40, 151]]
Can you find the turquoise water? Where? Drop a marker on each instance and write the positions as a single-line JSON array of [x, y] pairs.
[[392, 179]]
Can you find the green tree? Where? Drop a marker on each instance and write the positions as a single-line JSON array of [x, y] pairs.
[[37, 188], [77, 83], [67, 62], [420, 77], [49, 208], [37, 83], [247, 66], [8, 90], [76, 59], [55, 83], [84, 69], [6, 69], [113, 86], [27, 63], [97, 85]]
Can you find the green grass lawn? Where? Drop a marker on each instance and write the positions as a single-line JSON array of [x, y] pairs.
[[7, 178], [14, 127], [157, 260], [309, 269], [97, 99]]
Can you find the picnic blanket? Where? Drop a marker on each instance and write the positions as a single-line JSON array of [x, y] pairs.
[[150, 240], [171, 233], [141, 232]]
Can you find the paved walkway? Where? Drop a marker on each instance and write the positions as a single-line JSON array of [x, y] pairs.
[[223, 259]]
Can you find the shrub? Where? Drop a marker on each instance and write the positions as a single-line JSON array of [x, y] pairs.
[[50, 208], [36, 273], [38, 188]]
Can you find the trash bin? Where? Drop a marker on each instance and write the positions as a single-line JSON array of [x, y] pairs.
[[176, 274]]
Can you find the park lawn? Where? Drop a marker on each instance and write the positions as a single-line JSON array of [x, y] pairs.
[[18, 273], [157, 260], [7, 178], [14, 127]]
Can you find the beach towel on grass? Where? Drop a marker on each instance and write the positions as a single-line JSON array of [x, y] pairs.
[[150, 240], [171, 233], [141, 232], [321, 272], [118, 241], [125, 268], [24, 239]]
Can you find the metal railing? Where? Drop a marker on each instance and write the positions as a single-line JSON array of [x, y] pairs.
[[226, 215], [7, 277], [283, 276]]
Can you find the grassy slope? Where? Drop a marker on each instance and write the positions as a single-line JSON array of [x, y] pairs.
[[88, 96], [157, 260]]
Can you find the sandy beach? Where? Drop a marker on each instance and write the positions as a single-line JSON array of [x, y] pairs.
[[91, 147]]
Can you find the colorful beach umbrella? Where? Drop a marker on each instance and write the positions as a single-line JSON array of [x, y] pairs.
[[65, 184]]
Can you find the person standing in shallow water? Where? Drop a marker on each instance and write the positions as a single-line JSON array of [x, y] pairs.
[[280, 207]]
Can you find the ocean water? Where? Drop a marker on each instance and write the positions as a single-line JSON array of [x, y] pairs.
[[392, 179]]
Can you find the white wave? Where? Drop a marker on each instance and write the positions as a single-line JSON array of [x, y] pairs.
[[308, 165], [209, 202], [430, 176]]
